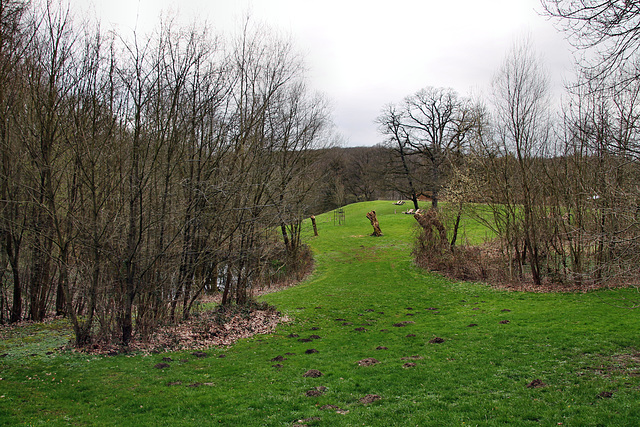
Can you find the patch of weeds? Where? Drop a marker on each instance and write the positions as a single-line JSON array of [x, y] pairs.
[[35, 339]]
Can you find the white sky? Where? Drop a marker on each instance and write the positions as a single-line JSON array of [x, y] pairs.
[[364, 54]]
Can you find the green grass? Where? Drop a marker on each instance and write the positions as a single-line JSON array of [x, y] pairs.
[[580, 345]]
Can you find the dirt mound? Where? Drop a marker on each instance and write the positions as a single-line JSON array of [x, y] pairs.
[[401, 324], [316, 391], [369, 398], [327, 407], [537, 383], [312, 373], [368, 361]]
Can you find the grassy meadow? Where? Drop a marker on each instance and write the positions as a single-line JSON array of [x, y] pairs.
[[365, 300]]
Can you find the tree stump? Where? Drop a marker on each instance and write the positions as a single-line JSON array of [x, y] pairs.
[[429, 221], [374, 223], [315, 227]]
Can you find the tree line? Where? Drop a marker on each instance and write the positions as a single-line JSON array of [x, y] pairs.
[[138, 172], [557, 186]]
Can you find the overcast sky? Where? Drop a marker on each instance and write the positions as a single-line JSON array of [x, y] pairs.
[[365, 54]]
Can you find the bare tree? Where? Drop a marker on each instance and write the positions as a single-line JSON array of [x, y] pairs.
[[522, 118], [14, 39], [391, 125], [50, 78], [433, 123], [138, 171], [610, 26]]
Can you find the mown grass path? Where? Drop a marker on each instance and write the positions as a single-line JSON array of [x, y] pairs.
[[366, 294]]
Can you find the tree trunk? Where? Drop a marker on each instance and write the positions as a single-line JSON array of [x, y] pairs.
[[60, 300], [456, 226], [285, 236], [374, 223], [16, 308], [414, 199], [227, 286], [127, 319]]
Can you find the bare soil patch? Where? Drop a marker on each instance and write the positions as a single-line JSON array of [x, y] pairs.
[[369, 398], [368, 361], [618, 364], [312, 373], [316, 391], [537, 383]]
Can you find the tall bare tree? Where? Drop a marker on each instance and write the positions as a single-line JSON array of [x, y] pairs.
[[433, 123], [522, 131], [14, 39]]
